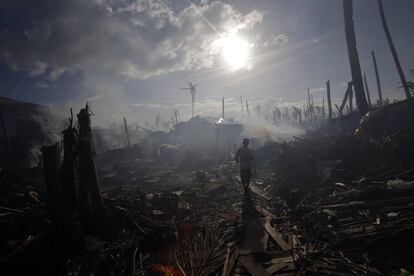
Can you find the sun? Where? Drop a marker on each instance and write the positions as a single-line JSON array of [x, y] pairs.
[[235, 51]]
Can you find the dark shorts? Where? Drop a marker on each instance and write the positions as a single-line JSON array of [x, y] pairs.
[[245, 176]]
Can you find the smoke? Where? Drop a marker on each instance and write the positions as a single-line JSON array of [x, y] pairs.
[[266, 132]]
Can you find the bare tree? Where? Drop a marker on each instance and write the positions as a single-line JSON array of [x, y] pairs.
[[328, 97], [374, 60], [393, 50], [192, 88], [354, 58], [367, 90]]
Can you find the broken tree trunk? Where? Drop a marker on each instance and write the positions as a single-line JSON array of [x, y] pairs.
[[328, 97], [247, 108], [393, 51], [6, 137], [361, 101], [241, 104], [374, 60], [128, 143], [350, 97], [192, 103], [222, 108], [90, 202], [345, 100], [50, 170], [67, 171], [323, 107], [367, 90]]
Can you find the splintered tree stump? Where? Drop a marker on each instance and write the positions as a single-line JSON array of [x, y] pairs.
[[90, 202], [67, 171], [50, 170]]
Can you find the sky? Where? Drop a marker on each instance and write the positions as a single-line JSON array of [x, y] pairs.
[[129, 58]]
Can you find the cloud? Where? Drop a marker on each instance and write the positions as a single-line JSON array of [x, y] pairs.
[[43, 84], [276, 40], [130, 39], [316, 90]]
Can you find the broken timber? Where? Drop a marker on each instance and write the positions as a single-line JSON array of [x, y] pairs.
[[276, 236], [67, 171], [90, 201]]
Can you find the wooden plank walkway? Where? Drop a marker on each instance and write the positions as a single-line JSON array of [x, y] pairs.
[[247, 259]]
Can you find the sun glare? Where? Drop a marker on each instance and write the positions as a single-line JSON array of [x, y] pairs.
[[235, 51]]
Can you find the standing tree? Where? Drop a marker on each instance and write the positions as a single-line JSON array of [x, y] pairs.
[[354, 58], [328, 97], [192, 88], [393, 51], [241, 104], [367, 90], [222, 108]]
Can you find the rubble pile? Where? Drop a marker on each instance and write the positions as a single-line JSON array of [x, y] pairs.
[[350, 200], [332, 202], [157, 223]]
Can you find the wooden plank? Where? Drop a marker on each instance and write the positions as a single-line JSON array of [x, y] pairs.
[[226, 262], [280, 266], [231, 262], [255, 237], [252, 267], [276, 267], [276, 236], [259, 194], [245, 252], [287, 259], [264, 212]]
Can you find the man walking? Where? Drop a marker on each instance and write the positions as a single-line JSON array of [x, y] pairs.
[[245, 156]]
